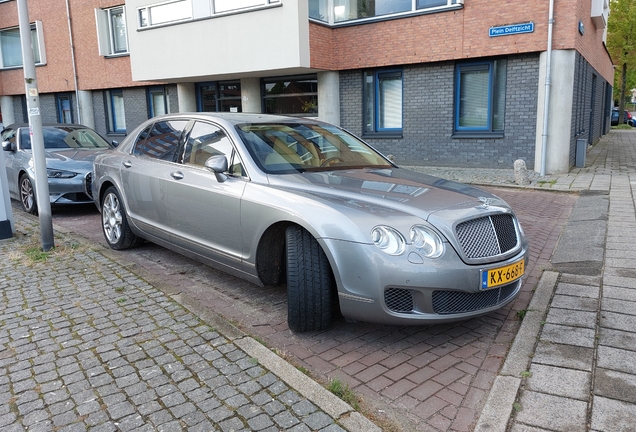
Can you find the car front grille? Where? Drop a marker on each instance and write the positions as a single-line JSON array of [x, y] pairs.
[[487, 236], [398, 300], [451, 302], [88, 184]]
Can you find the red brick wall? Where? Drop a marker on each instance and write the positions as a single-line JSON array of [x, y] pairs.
[[458, 34], [93, 70]]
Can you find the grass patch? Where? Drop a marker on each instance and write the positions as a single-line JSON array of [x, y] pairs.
[[623, 126], [32, 253], [343, 391], [521, 314], [36, 254]]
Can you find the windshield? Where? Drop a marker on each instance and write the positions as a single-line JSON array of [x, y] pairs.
[[294, 147], [65, 137]]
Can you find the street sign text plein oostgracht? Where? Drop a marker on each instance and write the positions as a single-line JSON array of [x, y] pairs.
[[511, 29]]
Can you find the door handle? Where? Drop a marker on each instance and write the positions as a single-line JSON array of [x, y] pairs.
[[128, 164], [177, 175]]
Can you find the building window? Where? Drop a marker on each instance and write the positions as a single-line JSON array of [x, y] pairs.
[[185, 10], [64, 108], [291, 95], [382, 102], [221, 96], [111, 31], [340, 11], [158, 101], [116, 112], [480, 96], [11, 48]]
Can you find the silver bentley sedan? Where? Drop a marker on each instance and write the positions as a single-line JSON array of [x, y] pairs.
[[280, 200], [69, 151]]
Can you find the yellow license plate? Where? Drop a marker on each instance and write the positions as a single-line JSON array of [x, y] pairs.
[[503, 275]]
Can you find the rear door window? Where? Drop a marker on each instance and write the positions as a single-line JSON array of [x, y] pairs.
[[161, 141]]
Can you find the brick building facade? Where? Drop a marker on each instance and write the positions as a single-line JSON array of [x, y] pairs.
[[432, 82]]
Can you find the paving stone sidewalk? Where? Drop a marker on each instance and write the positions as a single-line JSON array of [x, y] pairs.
[[571, 367], [87, 345]]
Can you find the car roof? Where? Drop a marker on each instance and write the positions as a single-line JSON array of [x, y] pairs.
[[47, 125], [238, 118]]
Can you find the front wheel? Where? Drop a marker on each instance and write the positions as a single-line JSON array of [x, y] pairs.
[[27, 195], [115, 223], [309, 282]]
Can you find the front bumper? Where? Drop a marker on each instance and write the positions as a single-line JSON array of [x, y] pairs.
[[406, 289], [76, 190]]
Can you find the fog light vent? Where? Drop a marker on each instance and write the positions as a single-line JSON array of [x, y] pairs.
[[451, 302], [398, 300]]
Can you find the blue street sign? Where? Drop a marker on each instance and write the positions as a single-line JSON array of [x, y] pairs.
[[511, 29]]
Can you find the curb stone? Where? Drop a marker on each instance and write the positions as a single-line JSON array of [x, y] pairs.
[[499, 405]]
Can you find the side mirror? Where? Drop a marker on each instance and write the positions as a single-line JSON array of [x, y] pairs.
[[8, 146], [218, 165], [114, 143]]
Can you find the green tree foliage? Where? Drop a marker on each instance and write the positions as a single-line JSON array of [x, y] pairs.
[[621, 44]]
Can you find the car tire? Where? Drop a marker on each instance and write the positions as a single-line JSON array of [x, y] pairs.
[[115, 226], [309, 282], [27, 195]]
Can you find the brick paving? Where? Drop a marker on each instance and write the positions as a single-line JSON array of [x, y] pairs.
[[416, 378], [85, 344], [427, 377]]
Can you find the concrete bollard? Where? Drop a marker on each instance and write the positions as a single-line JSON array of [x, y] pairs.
[[521, 173]]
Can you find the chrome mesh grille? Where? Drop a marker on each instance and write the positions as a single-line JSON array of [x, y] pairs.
[[398, 300], [487, 236], [450, 302]]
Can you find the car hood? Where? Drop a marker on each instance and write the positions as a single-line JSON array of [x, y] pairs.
[[441, 202], [69, 158]]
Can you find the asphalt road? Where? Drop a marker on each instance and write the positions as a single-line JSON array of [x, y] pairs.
[[421, 377]]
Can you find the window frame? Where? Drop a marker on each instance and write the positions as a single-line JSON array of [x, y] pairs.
[[114, 125], [493, 107], [338, 13], [59, 98], [219, 95], [190, 10], [374, 100], [37, 43], [153, 91], [309, 107], [106, 31]]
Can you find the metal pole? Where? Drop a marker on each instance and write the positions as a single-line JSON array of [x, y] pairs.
[[70, 35], [35, 129], [548, 82]]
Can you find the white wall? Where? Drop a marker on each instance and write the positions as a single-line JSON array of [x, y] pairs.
[[560, 111], [262, 42]]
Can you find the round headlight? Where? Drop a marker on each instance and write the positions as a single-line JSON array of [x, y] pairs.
[[427, 241], [388, 240]]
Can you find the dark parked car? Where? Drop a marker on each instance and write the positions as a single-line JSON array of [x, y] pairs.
[[70, 150], [627, 117], [280, 200]]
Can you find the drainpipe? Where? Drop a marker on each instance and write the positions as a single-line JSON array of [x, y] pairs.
[[70, 35], [546, 101]]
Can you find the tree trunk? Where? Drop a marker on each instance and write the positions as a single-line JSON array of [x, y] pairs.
[[621, 100]]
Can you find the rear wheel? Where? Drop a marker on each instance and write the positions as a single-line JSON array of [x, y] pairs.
[[27, 195], [309, 282], [115, 223]]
